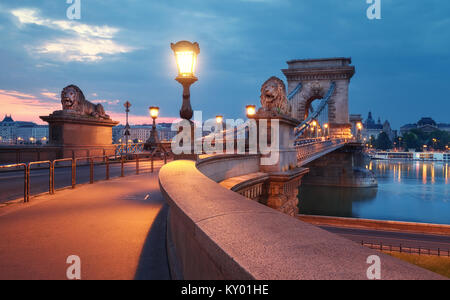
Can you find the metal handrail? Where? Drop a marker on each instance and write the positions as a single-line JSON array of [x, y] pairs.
[[51, 176], [73, 166], [409, 250], [25, 177], [138, 157]]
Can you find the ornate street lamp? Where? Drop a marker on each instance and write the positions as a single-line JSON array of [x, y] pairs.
[[153, 140], [186, 57], [326, 126], [359, 127], [127, 106], [250, 110]]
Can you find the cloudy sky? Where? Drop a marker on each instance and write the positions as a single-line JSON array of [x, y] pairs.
[[120, 50]]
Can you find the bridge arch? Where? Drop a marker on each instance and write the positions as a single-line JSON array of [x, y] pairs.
[[316, 77]]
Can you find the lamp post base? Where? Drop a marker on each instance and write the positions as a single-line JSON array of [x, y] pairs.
[[186, 109]]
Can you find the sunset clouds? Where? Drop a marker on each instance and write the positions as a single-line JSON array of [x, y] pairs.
[[85, 43], [27, 107], [120, 50]]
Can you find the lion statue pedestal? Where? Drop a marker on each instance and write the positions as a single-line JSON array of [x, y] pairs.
[[82, 128]]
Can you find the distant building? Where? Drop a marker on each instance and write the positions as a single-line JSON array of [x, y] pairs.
[[141, 133], [7, 130], [372, 128], [17, 132], [425, 124]]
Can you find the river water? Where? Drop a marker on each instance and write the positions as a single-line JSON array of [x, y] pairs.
[[407, 191]]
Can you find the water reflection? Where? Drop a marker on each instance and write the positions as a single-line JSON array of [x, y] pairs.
[[317, 201], [407, 191]]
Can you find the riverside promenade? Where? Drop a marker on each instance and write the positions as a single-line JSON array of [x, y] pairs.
[[116, 227]]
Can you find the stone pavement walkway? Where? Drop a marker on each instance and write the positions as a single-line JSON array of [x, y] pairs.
[[116, 227]]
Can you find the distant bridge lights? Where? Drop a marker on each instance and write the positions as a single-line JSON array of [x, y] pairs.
[[186, 57], [359, 127], [326, 131]]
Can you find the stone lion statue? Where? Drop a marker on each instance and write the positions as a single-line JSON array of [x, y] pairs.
[[72, 98], [273, 96]]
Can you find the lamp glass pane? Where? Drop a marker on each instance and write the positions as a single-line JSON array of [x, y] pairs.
[[251, 110], [186, 63], [154, 112]]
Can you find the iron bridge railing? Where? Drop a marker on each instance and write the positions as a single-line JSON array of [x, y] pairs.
[[92, 162]]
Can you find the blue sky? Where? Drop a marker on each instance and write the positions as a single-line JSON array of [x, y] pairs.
[[120, 50]]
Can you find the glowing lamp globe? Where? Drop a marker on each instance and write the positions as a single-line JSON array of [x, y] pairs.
[[251, 110], [186, 58], [154, 112], [219, 119]]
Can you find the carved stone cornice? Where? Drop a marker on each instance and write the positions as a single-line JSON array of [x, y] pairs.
[[346, 72]]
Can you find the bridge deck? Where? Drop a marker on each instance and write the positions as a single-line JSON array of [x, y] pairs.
[[116, 227]]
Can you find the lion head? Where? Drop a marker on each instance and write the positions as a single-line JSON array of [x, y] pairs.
[[71, 97], [273, 96]]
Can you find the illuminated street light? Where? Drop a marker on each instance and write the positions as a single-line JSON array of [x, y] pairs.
[[186, 57], [153, 140], [219, 119], [127, 106], [154, 112], [250, 110]]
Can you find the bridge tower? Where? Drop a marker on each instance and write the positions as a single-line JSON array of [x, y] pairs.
[[315, 77]]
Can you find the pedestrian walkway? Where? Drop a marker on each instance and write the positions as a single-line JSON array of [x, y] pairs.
[[116, 227]]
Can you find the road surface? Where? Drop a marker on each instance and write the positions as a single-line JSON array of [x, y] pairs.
[[117, 228], [414, 240]]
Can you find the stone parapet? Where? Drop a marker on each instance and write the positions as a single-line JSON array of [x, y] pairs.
[[214, 233]]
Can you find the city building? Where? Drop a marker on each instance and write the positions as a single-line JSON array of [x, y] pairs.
[[17, 132], [425, 124], [141, 133], [372, 128], [7, 130]]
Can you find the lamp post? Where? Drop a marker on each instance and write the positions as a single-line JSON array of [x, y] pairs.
[[359, 127], [325, 126], [314, 124], [153, 140], [186, 58], [127, 106]]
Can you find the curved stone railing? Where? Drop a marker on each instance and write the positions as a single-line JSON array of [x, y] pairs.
[[224, 166], [214, 233]]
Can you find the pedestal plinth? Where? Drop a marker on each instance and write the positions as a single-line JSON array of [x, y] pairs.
[[80, 135], [283, 145], [284, 175]]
